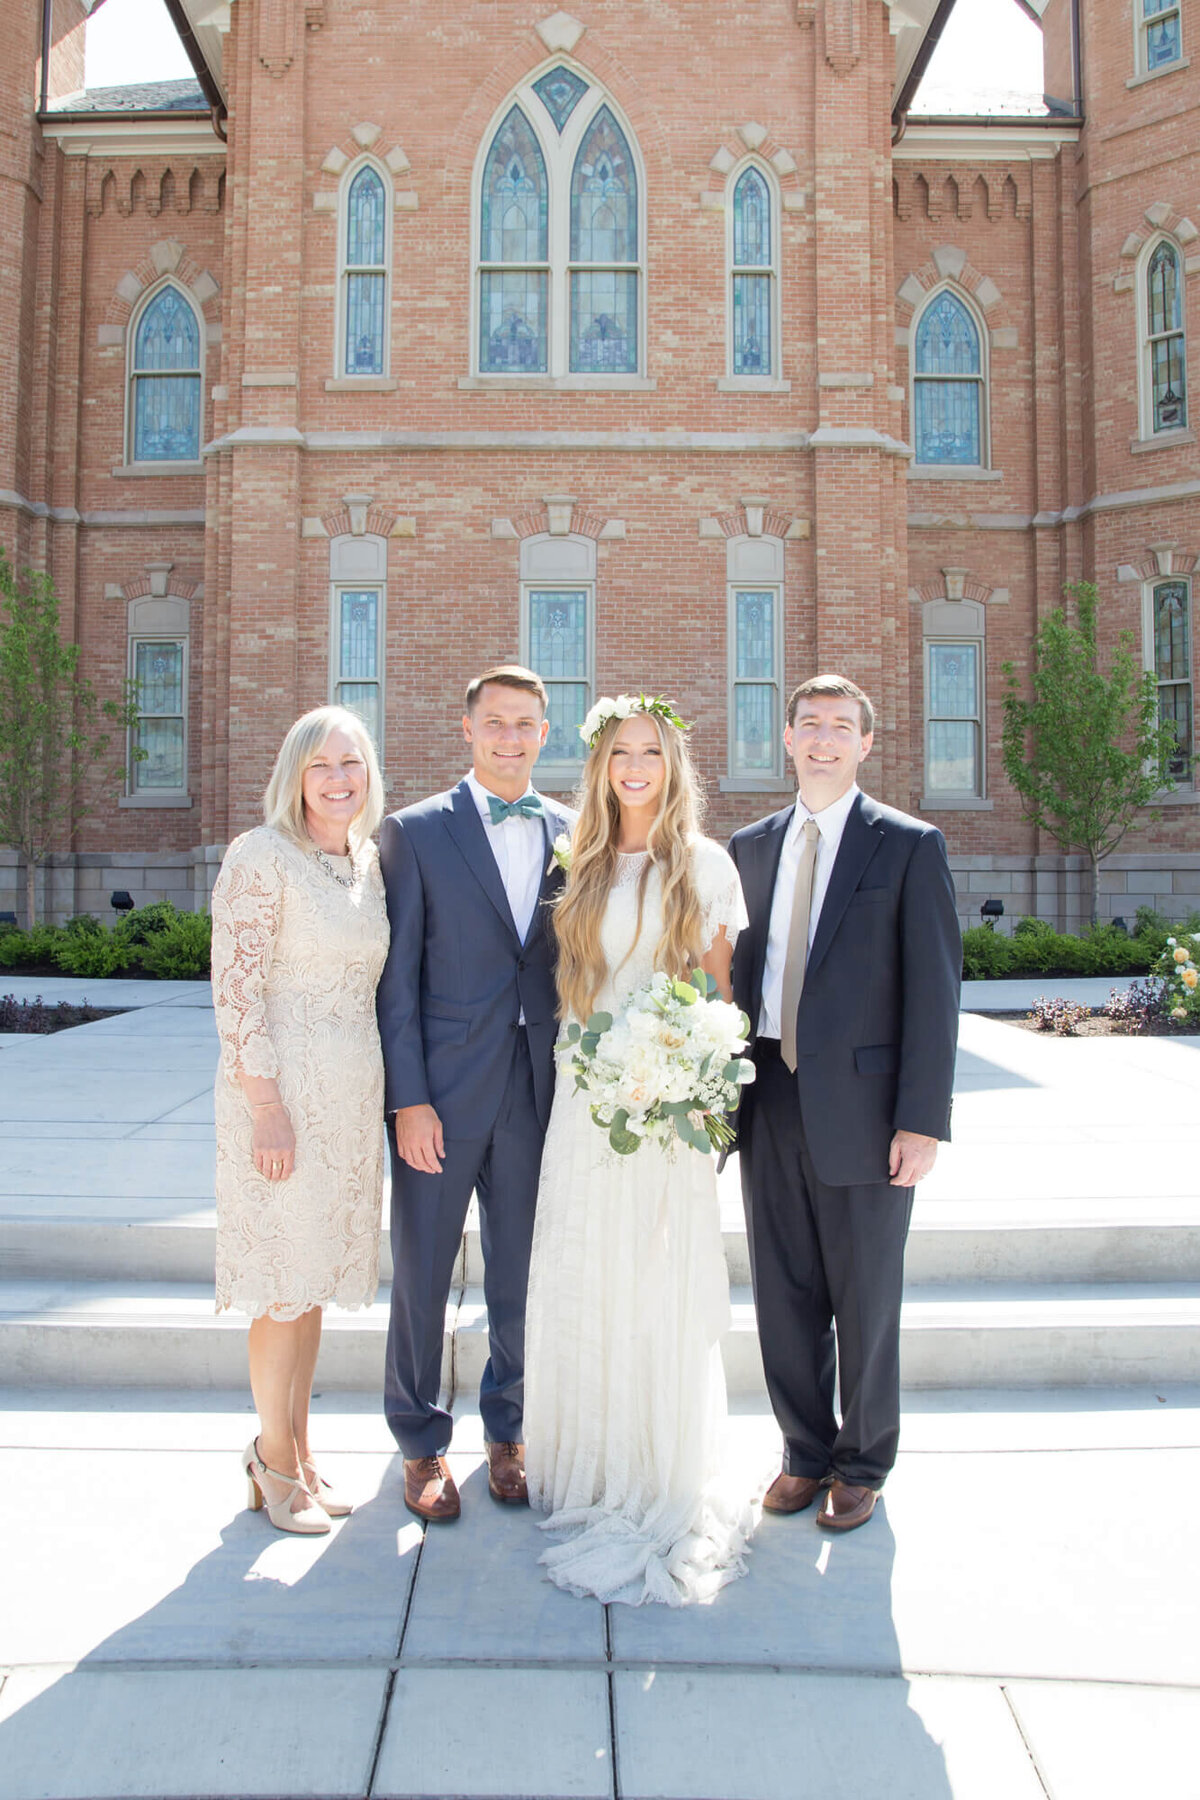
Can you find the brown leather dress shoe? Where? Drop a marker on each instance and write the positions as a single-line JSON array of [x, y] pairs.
[[847, 1507], [429, 1490], [792, 1493], [506, 1474]]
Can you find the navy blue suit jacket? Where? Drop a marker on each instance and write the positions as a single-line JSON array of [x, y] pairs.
[[877, 1025], [457, 977]]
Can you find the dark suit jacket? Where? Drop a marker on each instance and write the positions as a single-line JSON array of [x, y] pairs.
[[457, 977], [878, 1019]]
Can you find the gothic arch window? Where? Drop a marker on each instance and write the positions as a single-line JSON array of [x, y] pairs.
[[1168, 639], [752, 249], [559, 201], [949, 383], [364, 243], [1164, 340], [165, 378]]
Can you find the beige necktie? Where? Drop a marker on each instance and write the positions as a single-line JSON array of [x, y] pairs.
[[797, 948]]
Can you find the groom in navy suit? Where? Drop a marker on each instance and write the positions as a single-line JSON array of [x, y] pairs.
[[467, 1019], [849, 973]]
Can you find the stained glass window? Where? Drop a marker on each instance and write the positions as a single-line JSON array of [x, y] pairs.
[[1167, 344], [560, 91], [604, 231], [1173, 670], [158, 686], [559, 647], [166, 381], [756, 723], [948, 385], [514, 230], [357, 655], [604, 323], [1161, 42], [952, 763], [365, 274], [752, 221], [752, 280]]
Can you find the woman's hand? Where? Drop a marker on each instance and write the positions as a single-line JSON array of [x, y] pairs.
[[273, 1142]]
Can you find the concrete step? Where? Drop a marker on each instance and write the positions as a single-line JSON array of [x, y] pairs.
[[950, 1241], [98, 1333]]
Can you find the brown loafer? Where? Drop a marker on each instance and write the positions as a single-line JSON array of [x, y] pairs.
[[429, 1490], [847, 1507], [506, 1474], [792, 1493]]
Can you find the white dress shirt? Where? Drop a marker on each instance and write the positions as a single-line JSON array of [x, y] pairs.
[[519, 847], [831, 822]]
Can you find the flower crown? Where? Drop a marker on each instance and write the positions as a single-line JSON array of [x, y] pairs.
[[624, 707]]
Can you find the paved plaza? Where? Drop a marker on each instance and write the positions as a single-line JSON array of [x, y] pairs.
[[1018, 1621]]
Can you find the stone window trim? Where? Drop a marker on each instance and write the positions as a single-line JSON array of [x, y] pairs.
[[755, 565], [1162, 569], [754, 141], [1142, 70], [565, 560], [769, 380], [982, 469], [952, 618], [154, 614], [166, 258], [186, 465], [358, 563], [1148, 436], [559, 150], [345, 378]]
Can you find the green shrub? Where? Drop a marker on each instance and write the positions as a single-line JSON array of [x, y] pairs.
[[986, 955], [96, 952], [29, 949], [145, 922], [179, 952]]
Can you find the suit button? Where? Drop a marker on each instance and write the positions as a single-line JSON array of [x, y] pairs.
[[520, 965]]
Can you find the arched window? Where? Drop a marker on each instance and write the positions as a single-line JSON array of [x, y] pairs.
[[363, 335], [1169, 656], [165, 379], [752, 290], [949, 401], [559, 236], [1165, 348], [514, 252]]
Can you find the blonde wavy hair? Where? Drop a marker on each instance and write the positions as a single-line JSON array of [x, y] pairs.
[[579, 910], [283, 802]]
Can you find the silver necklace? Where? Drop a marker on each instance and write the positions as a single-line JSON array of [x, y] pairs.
[[346, 881]]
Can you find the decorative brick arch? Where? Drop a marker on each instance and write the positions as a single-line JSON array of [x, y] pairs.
[[1161, 561], [368, 519], [755, 517], [364, 138], [166, 259], [949, 266], [755, 140], [954, 584], [523, 62], [1160, 219]]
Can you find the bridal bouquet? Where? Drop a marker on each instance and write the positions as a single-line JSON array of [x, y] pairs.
[[667, 1069]]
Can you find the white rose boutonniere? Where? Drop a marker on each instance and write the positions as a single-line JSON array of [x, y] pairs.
[[560, 853]]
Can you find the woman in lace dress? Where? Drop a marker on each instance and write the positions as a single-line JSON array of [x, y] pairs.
[[625, 1407], [300, 934]]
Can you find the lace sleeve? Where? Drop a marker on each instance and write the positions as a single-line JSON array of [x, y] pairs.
[[720, 891], [246, 907]]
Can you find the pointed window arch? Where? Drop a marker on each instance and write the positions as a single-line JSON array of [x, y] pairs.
[[1168, 640], [165, 378], [363, 277], [1164, 341], [949, 384], [560, 228], [753, 285]]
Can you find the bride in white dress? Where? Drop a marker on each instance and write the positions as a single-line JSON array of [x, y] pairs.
[[625, 1409]]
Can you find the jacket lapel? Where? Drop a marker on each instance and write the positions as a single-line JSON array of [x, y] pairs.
[[552, 876], [466, 830], [861, 838], [768, 848]]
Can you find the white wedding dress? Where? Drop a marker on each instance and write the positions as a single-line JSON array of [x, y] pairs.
[[625, 1409]]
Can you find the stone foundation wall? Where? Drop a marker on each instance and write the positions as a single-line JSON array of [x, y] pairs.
[[1057, 888], [84, 882]]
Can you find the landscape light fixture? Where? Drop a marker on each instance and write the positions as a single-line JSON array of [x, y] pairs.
[[991, 910], [8, 918], [121, 900]]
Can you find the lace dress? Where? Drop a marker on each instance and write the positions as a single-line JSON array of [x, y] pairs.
[[296, 959], [625, 1408]]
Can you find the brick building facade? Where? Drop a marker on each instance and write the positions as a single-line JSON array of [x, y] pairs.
[[654, 350]]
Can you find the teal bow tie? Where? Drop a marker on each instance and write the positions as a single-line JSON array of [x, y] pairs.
[[529, 806]]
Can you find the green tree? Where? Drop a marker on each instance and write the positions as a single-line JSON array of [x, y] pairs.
[[60, 746], [1088, 750]]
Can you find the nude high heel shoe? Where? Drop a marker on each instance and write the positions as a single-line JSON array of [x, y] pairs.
[[335, 1504], [312, 1521]]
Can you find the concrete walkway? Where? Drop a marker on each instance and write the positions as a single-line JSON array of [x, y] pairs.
[[1018, 1622]]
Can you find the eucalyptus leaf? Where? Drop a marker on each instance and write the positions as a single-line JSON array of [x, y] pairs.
[[683, 990], [599, 1022], [623, 1142], [574, 1033]]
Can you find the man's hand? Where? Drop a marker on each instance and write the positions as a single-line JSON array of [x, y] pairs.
[[910, 1158], [419, 1138]]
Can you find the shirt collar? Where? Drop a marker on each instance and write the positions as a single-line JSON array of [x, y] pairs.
[[481, 795], [831, 820]]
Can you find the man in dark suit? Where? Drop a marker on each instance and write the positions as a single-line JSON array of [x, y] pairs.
[[467, 1021], [849, 973]]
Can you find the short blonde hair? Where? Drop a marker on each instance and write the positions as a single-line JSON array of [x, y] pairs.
[[283, 802]]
